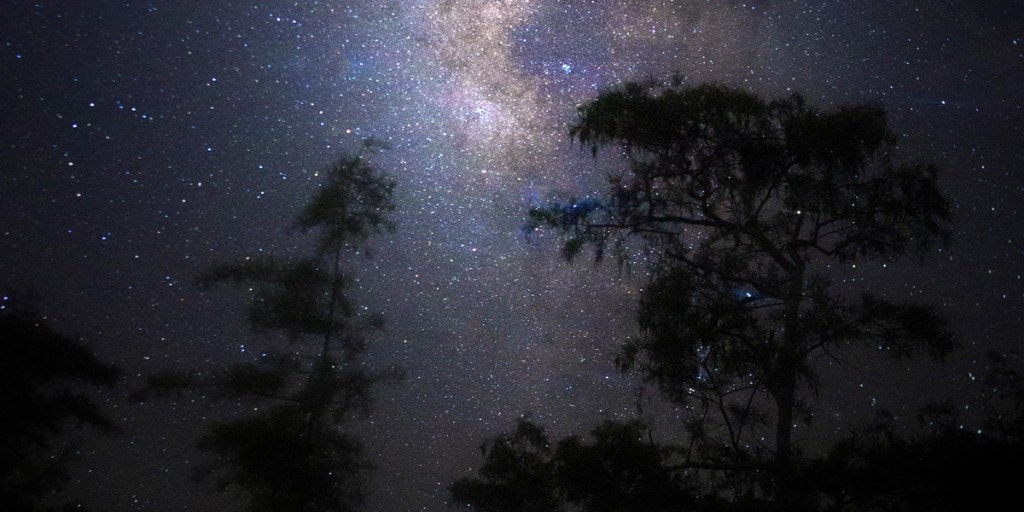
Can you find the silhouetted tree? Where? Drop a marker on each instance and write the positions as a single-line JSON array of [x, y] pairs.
[[945, 467], [1003, 398], [295, 454], [517, 474], [947, 470], [621, 470], [43, 380], [615, 470], [739, 205]]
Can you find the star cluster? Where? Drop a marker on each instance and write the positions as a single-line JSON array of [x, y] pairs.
[[144, 141]]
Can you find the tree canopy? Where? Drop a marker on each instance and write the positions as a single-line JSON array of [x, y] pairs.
[[612, 470], [296, 453], [738, 205]]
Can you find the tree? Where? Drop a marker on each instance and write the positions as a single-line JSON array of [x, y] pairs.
[[615, 470], [945, 467], [295, 454], [948, 469], [517, 475], [739, 205], [1003, 397], [43, 377]]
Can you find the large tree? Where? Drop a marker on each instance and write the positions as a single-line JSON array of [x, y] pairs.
[[296, 452], [740, 206]]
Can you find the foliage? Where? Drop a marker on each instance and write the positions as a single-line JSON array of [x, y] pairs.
[[516, 476], [43, 377], [1004, 397], [351, 206], [619, 471], [944, 467], [740, 205], [946, 470], [614, 470], [286, 462], [294, 452]]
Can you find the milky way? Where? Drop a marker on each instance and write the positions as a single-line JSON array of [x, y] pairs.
[[144, 141]]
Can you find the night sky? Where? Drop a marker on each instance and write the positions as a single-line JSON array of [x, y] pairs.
[[144, 141]]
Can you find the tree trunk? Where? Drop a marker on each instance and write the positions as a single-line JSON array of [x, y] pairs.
[[785, 402], [332, 307], [785, 393]]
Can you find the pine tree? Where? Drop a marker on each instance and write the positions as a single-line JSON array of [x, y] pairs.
[[296, 453]]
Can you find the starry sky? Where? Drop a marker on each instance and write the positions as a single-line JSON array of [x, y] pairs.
[[144, 141]]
